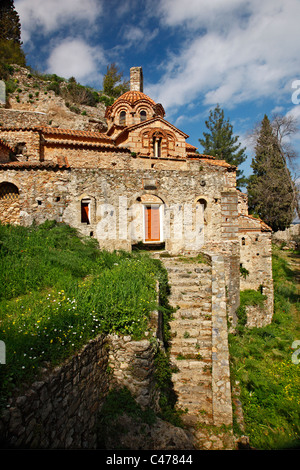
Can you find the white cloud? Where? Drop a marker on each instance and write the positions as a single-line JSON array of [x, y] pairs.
[[235, 50], [46, 16], [76, 58]]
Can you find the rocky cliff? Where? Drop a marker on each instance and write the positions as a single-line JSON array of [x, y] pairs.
[[66, 103]]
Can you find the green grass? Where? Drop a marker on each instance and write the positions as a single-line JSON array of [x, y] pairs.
[[59, 290], [261, 362]]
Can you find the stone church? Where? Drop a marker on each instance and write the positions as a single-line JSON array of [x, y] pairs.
[[138, 182]]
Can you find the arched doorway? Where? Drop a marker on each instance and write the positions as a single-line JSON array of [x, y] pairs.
[[153, 218], [9, 203]]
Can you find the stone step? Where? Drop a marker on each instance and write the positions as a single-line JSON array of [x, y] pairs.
[[204, 290], [200, 376], [190, 304], [190, 276], [188, 268], [192, 313], [188, 353], [191, 339], [197, 322]]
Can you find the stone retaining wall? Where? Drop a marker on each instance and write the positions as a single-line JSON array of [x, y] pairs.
[[60, 410]]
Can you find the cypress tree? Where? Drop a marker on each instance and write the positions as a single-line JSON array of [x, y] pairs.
[[10, 27], [270, 188], [221, 143], [10, 37]]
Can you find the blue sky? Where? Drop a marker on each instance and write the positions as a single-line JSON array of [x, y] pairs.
[[241, 54]]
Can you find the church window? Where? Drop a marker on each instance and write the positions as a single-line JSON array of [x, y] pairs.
[[122, 118], [143, 116], [8, 191], [157, 146]]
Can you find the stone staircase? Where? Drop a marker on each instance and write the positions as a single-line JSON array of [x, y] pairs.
[[198, 354]]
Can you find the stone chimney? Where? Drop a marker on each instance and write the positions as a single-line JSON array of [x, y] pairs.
[[136, 79]]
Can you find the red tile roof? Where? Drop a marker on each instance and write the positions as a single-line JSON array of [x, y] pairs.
[[263, 226], [32, 165], [214, 161], [75, 133], [133, 96]]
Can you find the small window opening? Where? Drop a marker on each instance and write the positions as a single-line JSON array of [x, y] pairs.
[[122, 118], [8, 191], [39, 202], [203, 203], [143, 116], [157, 146], [85, 212], [243, 241], [57, 199]]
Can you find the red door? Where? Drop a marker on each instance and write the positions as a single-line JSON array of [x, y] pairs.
[[152, 224]]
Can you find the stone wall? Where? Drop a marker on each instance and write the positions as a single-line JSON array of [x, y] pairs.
[[60, 409], [222, 406], [289, 237], [47, 193], [29, 141], [13, 118], [132, 366]]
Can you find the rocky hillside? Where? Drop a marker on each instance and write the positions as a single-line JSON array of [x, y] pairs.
[[67, 104]]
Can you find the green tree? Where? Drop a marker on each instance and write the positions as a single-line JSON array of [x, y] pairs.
[[10, 37], [113, 85], [10, 27], [220, 142], [270, 188]]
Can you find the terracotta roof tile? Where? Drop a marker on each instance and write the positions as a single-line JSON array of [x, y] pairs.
[[264, 227], [31, 165], [75, 133], [213, 161], [133, 96]]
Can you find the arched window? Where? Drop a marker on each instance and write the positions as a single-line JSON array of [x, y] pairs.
[[203, 205], [8, 191], [243, 241], [143, 116], [122, 118], [157, 145]]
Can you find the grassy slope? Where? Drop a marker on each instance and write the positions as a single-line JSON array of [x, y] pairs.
[[261, 361], [59, 290]]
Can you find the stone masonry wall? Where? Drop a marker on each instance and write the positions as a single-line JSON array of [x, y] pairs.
[[23, 136], [12, 118], [60, 410]]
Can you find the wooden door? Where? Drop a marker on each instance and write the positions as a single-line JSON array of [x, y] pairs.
[[152, 224]]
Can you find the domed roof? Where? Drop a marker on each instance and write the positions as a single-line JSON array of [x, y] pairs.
[[133, 96]]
